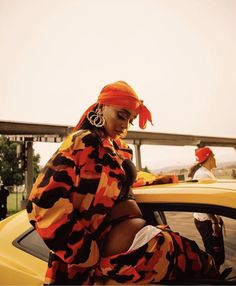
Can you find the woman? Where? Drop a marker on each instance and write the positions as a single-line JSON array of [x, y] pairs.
[[83, 208], [205, 162], [208, 225]]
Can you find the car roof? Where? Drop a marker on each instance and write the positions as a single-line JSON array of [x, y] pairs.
[[217, 192]]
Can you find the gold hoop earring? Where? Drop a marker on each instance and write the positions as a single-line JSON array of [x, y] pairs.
[[96, 118]]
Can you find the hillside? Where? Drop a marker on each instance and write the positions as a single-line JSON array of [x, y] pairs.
[[224, 170]]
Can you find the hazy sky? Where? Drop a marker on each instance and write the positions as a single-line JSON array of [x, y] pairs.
[[179, 56]]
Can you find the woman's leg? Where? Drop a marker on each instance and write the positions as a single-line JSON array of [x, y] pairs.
[[166, 257]]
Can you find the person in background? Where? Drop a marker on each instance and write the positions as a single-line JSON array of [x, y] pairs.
[[83, 207], [205, 162], [208, 225], [4, 193]]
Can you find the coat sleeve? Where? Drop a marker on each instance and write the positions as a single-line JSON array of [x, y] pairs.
[[70, 199]]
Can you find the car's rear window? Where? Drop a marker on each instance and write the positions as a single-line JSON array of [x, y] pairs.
[[32, 243]]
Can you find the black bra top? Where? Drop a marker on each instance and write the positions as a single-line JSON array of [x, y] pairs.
[[130, 177], [130, 171]]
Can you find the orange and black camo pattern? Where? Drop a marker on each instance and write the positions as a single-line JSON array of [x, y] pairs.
[[70, 199]]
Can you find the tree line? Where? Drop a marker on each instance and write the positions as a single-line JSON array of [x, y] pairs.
[[12, 171]]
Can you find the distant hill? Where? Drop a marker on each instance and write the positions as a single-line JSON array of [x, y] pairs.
[[224, 169]]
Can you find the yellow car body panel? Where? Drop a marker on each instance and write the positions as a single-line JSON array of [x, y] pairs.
[[16, 266], [219, 193]]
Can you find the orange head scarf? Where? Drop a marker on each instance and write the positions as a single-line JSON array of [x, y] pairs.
[[121, 94]]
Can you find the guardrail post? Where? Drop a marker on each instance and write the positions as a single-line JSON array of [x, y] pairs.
[[137, 147], [28, 171]]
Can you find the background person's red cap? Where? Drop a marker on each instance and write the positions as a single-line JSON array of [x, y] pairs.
[[202, 154]]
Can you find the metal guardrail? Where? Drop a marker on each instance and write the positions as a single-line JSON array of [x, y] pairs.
[[23, 131]]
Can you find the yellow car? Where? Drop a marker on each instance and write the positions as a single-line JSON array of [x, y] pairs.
[[23, 255]]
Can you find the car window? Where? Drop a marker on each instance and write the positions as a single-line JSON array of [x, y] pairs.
[[182, 221], [32, 243]]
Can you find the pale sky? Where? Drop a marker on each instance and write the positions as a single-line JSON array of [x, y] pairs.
[[179, 56]]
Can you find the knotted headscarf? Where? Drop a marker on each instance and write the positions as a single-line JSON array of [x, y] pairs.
[[121, 94]]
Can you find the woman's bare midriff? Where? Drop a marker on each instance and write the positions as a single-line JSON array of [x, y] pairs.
[[122, 234]]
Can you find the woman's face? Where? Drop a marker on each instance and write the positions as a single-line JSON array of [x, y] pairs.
[[117, 120], [213, 161]]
